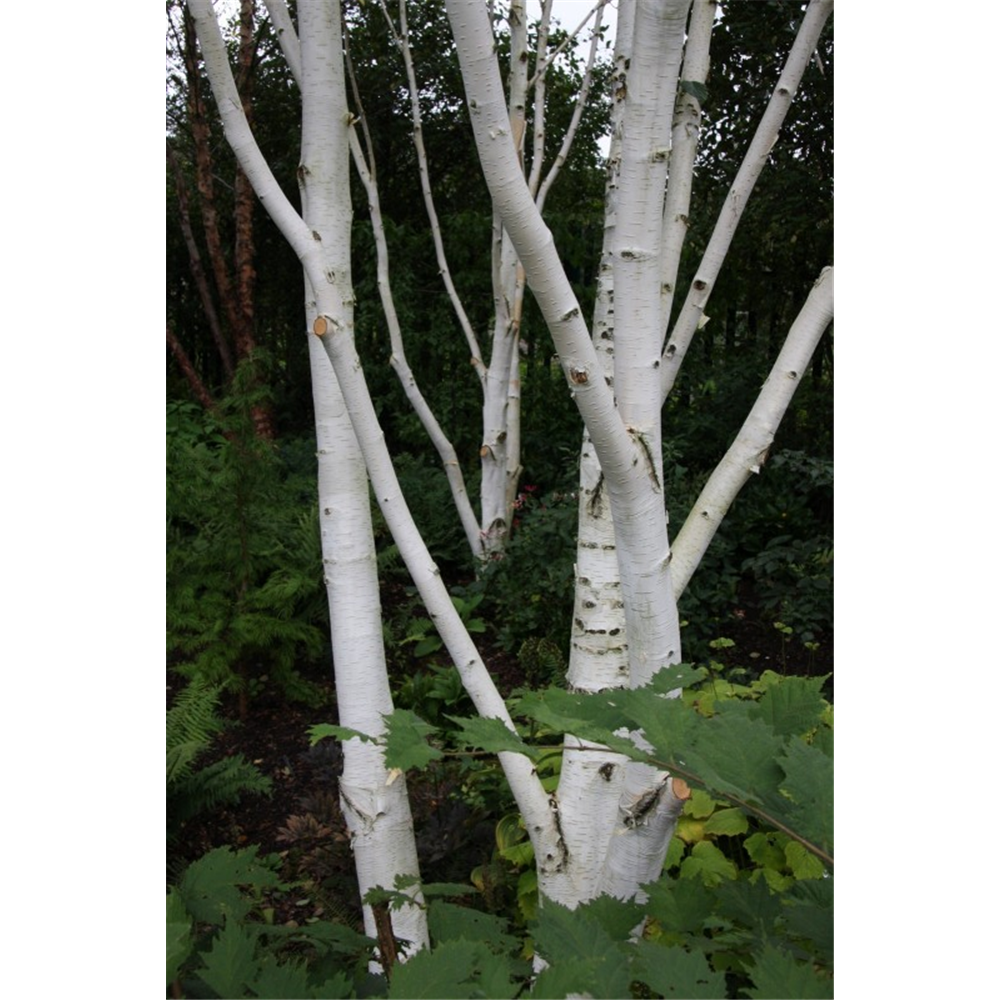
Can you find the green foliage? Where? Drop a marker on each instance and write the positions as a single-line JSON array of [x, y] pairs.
[[191, 726], [530, 590], [424, 635], [244, 591], [218, 942], [746, 899], [542, 661], [774, 550]]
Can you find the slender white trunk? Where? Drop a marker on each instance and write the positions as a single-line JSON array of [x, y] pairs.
[[444, 447], [598, 656], [376, 810], [748, 452], [683, 147], [336, 337], [634, 494], [753, 163], [657, 49]]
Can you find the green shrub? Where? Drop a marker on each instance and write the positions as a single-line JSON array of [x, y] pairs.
[[245, 598]]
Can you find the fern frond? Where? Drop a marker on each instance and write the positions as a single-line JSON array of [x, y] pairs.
[[220, 784], [192, 719]]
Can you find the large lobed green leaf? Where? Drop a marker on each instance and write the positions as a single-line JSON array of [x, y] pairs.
[[675, 972], [210, 887], [406, 743], [778, 976]]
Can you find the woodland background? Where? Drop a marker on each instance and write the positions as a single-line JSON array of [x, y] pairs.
[[245, 610]]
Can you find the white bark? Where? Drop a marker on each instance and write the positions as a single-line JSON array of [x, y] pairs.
[[635, 497], [403, 44], [608, 826], [331, 325], [683, 147], [376, 809], [749, 451], [400, 365], [598, 648], [753, 163]]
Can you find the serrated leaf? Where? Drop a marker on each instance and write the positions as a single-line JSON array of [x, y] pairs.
[[179, 942], [583, 957], [733, 753], [810, 914], [493, 736], [728, 822], [449, 922], [284, 981], [778, 976], [675, 676], [709, 864], [325, 730], [617, 917], [751, 904], [333, 937], [406, 743], [210, 885], [809, 782], [444, 972], [792, 707], [675, 972], [591, 717], [229, 964], [680, 906], [697, 90], [803, 863], [493, 978]]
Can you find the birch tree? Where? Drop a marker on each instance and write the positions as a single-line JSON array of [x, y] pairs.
[[607, 826]]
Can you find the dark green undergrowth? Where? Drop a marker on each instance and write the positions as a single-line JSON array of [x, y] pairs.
[[743, 908]]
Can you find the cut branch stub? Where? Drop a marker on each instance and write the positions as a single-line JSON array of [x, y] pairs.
[[323, 324]]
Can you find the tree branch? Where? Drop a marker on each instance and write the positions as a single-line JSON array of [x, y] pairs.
[[753, 163], [749, 451]]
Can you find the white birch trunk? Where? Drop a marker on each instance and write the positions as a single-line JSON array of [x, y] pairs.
[[749, 451], [683, 147], [630, 468], [336, 337], [598, 656], [376, 809], [634, 494]]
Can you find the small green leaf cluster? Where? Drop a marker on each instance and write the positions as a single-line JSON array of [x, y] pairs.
[[424, 636]]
